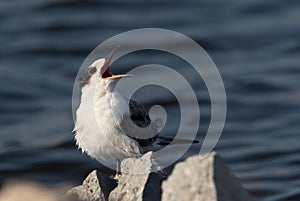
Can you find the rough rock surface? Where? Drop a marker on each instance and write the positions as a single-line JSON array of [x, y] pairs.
[[91, 188], [198, 179], [136, 183], [193, 179]]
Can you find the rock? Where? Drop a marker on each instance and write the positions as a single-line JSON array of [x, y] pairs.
[[198, 179], [192, 179], [138, 187], [96, 187], [136, 183], [141, 165]]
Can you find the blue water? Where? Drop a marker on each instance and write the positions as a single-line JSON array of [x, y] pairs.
[[255, 44]]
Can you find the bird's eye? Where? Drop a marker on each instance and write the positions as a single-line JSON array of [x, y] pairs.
[[92, 70]]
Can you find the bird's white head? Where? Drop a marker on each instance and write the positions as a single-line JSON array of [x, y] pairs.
[[99, 71]]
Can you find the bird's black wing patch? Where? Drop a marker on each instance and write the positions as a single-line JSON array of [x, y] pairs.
[[140, 117]]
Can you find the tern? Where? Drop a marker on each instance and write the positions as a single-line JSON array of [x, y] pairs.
[[109, 124]]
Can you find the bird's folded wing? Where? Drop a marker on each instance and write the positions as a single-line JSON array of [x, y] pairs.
[[139, 125]]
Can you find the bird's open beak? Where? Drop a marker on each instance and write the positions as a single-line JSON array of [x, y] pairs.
[[107, 74]]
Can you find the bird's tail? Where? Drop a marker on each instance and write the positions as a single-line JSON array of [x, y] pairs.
[[166, 140]]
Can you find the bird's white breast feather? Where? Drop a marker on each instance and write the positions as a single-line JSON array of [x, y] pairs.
[[98, 131]]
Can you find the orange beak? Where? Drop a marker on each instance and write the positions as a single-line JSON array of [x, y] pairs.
[[114, 77], [107, 74]]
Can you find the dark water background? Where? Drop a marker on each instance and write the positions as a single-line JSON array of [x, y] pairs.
[[255, 44]]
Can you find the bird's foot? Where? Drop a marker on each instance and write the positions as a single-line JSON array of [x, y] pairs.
[[117, 177]]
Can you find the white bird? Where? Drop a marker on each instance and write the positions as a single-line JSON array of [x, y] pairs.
[[110, 125]]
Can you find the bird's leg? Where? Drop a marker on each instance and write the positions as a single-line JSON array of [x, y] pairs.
[[118, 169], [118, 172]]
